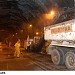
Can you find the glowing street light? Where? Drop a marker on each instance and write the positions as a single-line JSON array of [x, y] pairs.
[[50, 15], [37, 33], [30, 25]]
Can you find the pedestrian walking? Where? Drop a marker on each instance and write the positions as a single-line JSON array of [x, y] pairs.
[[17, 49]]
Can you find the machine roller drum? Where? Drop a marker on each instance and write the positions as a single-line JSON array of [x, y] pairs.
[[70, 60]]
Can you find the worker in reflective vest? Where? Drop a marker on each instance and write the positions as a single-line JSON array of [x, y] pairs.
[[17, 49]]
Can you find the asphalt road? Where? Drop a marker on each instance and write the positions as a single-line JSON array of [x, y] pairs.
[[9, 63], [26, 62]]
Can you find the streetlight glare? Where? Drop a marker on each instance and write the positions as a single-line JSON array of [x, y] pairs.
[[37, 33], [52, 13], [30, 25]]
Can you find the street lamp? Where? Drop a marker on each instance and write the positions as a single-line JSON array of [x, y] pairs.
[[37, 33], [30, 25], [30, 30], [50, 15]]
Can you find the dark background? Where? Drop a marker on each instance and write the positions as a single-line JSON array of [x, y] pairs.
[[16, 15]]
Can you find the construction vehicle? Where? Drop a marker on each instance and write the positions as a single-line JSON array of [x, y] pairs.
[[32, 43], [61, 37], [62, 43]]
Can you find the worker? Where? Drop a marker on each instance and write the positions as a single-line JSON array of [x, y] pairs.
[[17, 49], [25, 45], [28, 46]]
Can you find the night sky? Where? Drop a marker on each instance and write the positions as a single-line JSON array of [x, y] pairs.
[[15, 15]]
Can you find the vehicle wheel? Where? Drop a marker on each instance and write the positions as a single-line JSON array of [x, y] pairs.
[[57, 57], [70, 60]]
